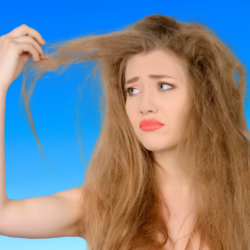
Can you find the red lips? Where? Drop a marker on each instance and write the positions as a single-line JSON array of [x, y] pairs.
[[150, 122]]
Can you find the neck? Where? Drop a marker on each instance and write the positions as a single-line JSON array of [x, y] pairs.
[[168, 174]]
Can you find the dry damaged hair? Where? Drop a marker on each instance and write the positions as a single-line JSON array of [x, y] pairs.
[[121, 204]]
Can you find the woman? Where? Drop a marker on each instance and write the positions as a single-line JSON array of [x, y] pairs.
[[179, 181]]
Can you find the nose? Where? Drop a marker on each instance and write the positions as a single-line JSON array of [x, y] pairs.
[[148, 102]]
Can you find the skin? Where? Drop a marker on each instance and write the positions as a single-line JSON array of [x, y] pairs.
[[146, 100], [168, 107], [36, 217], [41, 217]]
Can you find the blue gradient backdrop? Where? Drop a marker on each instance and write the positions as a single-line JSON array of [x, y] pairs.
[[53, 104]]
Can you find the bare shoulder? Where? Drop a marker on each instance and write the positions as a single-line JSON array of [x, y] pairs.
[[75, 196]]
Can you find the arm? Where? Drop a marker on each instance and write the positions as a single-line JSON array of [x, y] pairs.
[[57, 215], [52, 216], [3, 196]]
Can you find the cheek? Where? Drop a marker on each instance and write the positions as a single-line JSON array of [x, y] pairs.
[[132, 115], [129, 111], [174, 112]]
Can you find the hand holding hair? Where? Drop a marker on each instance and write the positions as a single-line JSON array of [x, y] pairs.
[[16, 48]]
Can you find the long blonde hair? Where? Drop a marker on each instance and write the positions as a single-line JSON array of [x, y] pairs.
[[121, 206]]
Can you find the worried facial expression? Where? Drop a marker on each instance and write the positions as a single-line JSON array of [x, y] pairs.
[[157, 88]]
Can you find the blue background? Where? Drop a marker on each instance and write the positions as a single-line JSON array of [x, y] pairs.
[[53, 104]]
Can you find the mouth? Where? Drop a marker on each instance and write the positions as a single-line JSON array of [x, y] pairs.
[[150, 122], [150, 127]]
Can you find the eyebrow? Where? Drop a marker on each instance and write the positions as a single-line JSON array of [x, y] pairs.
[[134, 79]]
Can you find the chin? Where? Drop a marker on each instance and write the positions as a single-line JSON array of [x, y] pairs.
[[158, 145]]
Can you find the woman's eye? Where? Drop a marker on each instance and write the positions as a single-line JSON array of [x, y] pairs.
[[163, 83], [159, 84], [128, 91]]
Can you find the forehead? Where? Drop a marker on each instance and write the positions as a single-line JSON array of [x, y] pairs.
[[162, 61]]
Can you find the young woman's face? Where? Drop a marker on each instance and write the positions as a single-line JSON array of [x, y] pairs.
[[161, 97]]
